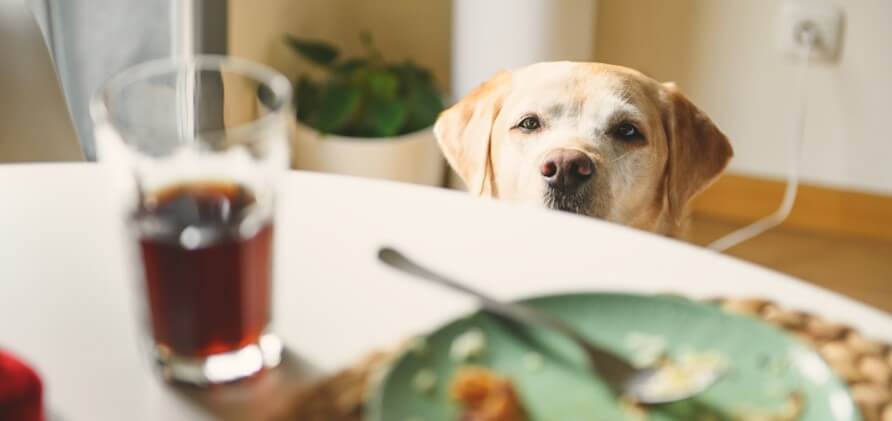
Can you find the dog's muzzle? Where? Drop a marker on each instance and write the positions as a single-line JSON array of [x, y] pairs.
[[568, 176]]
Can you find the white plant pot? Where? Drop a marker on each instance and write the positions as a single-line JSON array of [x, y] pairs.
[[412, 158]]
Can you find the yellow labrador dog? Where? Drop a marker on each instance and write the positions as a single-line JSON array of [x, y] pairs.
[[589, 138]]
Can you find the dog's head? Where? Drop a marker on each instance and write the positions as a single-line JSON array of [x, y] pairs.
[[589, 138]]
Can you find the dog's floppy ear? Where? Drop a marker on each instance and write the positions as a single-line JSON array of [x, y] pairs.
[[464, 132], [698, 151]]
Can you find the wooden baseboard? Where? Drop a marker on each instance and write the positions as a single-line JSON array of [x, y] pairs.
[[744, 199]]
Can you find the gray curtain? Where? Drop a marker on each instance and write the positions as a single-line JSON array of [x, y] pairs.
[[94, 39]]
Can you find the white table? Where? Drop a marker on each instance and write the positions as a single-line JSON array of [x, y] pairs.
[[66, 301]]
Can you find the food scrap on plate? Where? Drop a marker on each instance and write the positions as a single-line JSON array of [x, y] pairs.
[[486, 396]]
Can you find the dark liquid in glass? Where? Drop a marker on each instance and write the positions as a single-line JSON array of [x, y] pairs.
[[207, 263]]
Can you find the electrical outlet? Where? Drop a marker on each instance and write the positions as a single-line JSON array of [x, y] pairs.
[[825, 18]]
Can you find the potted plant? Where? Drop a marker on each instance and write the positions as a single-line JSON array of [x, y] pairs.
[[366, 116]]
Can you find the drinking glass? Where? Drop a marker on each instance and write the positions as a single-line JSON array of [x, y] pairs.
[[198, 144]]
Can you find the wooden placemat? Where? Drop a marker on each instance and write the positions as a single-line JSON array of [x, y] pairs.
[[865, 365]]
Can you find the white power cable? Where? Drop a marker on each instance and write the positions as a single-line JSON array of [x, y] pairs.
[[807, 38]]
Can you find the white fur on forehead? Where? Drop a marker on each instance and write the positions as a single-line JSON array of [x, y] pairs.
[[602, 94], [551, 69], [611, 108], [551, 74]]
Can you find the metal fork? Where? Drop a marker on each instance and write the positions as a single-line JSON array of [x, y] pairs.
[[619, 374]]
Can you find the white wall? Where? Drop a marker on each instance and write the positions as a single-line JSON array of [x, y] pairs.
[[486, 38], [721, 52]]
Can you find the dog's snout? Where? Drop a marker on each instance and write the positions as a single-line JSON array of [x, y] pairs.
[[566, 168]]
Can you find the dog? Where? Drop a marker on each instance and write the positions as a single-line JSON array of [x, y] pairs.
[[589, 138]]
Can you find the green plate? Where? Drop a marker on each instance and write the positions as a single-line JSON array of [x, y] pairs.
[[765, 365]]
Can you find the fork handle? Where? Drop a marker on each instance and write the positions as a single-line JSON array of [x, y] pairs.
[[514, 312], [611, 367]]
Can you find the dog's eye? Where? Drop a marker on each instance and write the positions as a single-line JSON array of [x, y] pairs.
[[627, 131], [530, 123]]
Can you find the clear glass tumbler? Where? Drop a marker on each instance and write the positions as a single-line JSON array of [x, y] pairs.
[[200, 142]]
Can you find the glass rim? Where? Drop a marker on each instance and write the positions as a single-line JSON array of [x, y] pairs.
[[264, 75]]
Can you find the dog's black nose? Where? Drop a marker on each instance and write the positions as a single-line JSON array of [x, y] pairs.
[[566, 168]]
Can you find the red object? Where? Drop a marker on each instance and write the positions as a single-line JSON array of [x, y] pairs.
[[21, 392]]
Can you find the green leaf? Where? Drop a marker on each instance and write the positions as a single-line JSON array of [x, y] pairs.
[[410, 70], [365, 96], [421, 74], [382, 84], [336, 107], [359, 77], [318, 52], [383, 118], [306, 98], [425, 75], [424, 104], [347, 67]]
